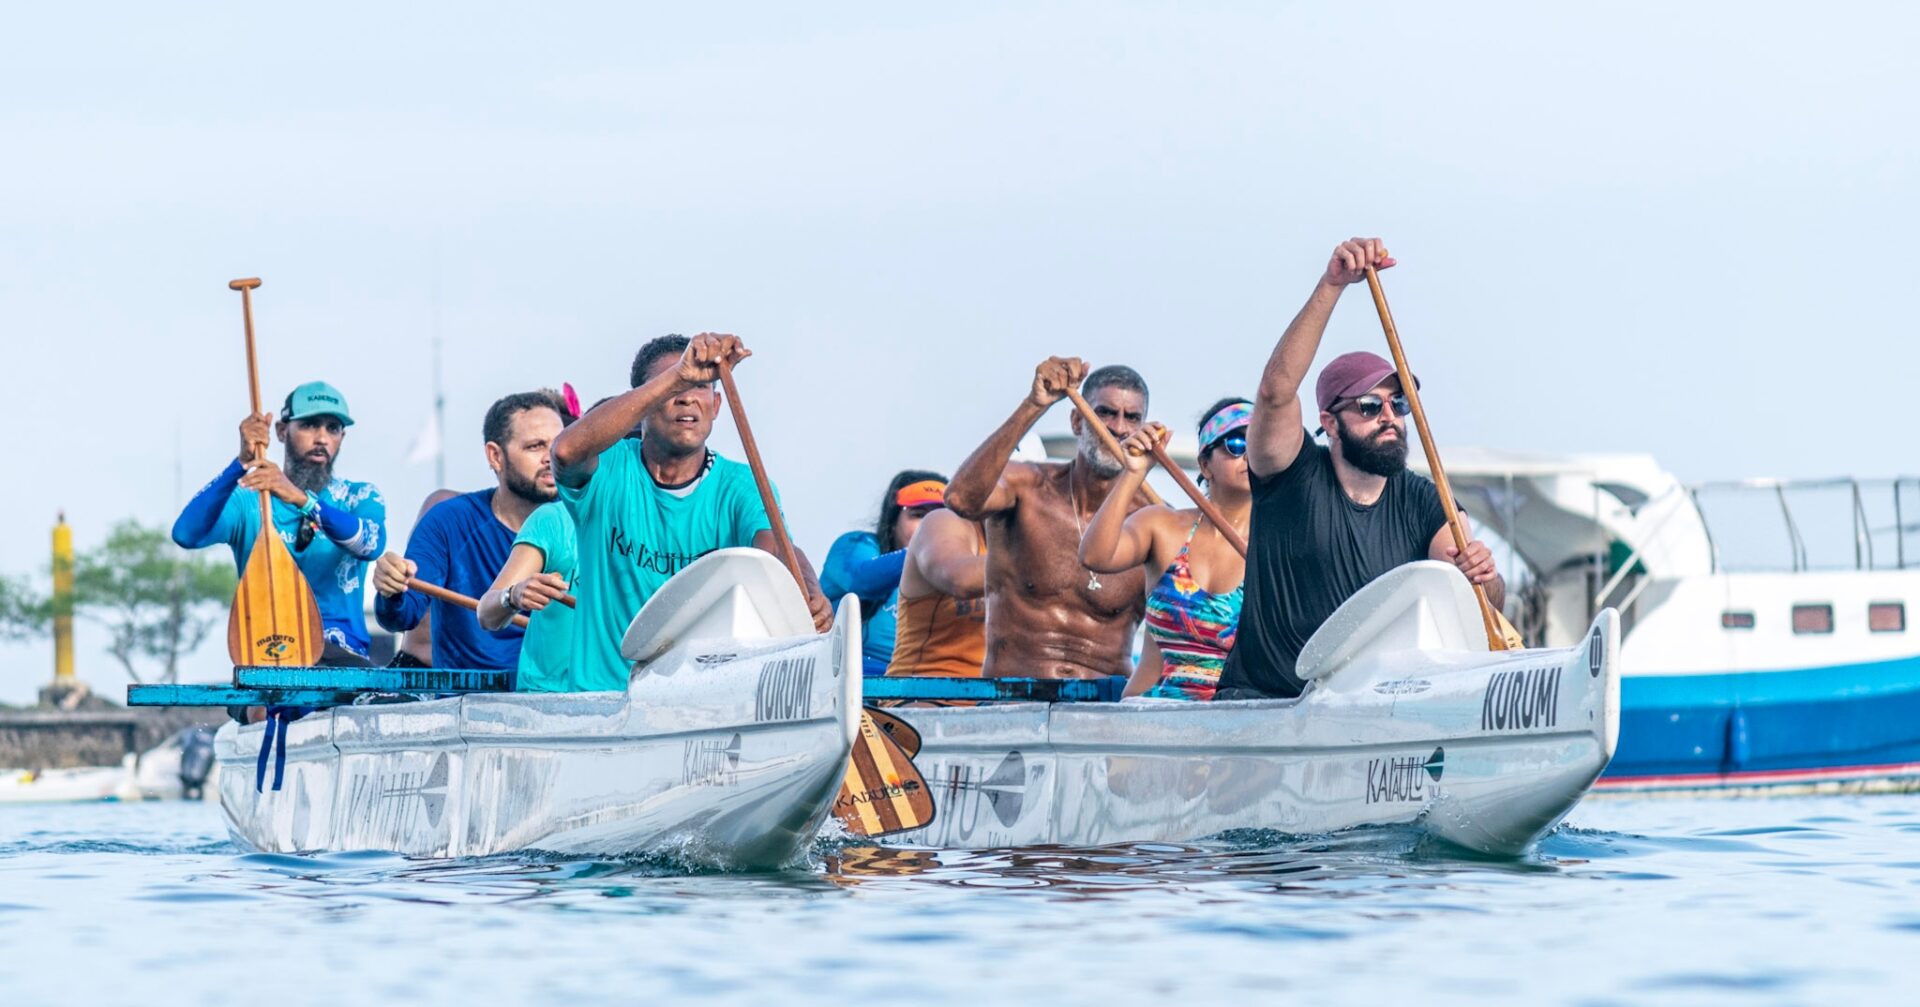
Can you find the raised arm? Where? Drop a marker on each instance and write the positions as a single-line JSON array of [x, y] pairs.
[[945, 555], [981, 485], [1277, 431], [576, 452], [1115, 541]]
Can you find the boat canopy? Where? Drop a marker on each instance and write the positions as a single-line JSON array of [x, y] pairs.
[[1570, 510]]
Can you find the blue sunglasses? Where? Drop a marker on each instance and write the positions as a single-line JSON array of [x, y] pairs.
[[1235, 444]]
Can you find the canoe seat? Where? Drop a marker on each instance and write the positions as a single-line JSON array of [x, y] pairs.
[[728, 594], [1426, 605]]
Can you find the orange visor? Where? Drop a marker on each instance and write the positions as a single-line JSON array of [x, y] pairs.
[[925, 493]]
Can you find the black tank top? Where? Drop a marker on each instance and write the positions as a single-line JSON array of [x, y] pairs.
[[1309, 549]]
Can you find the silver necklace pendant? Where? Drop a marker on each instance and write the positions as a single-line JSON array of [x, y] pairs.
[[1093, 581]]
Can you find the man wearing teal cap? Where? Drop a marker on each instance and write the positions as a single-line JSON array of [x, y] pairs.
[[334, 527]]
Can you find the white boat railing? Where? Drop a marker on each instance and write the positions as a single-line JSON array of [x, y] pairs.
[[1901, 494]]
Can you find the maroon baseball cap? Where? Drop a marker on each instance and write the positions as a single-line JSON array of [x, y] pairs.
[[1350, 375]]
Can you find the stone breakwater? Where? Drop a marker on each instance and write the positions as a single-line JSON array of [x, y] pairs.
[[99, 734]]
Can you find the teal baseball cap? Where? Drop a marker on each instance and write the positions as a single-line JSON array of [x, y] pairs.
[[316, 398]]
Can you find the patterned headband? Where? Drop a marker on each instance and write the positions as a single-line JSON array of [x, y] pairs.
[[1227, 420]]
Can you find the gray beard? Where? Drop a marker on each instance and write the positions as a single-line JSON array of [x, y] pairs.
[[1095, 455], [308, 476]]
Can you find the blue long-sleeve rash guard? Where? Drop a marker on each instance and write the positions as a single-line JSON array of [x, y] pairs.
[[203, 511], [855, 565], [352, 520]]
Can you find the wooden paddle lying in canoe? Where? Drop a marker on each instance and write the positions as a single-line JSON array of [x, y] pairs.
[[883, 791], [274, 620], [1500, 633]]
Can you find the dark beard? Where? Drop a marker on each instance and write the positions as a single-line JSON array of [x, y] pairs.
[[529, 490], [309, 476], [1372, 457]]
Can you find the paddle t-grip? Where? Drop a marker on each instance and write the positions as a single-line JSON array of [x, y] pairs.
[[246, 284]]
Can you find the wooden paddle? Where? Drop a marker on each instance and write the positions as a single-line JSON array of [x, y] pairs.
[[1500, 634], [275, 621], [784, 544], [1106, 439], [902, 733], [1227, 530], [883, 792], [456, 598]]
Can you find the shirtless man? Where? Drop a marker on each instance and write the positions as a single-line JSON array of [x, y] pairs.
[[1048, 616]]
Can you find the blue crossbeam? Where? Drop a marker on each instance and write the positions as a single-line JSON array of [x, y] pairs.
[[233, 695], [322, 687], [1028, 690], [375, 679]]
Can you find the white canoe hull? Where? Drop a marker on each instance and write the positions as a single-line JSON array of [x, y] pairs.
[[1406, 721], [724, 752]]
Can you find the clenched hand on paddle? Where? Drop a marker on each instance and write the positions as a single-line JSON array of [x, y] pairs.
[[275, 621]]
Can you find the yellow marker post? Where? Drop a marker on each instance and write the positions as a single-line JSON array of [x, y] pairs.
[[62, 602]]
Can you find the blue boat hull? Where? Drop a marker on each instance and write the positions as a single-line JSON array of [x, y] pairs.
[[1846, 725]]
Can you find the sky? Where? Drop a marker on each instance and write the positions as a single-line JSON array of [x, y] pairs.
[[1682, 229]]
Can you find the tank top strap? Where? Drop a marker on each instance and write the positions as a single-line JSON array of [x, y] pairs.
[[1180, 561]]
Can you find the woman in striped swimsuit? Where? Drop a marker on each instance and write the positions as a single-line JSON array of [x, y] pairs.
[[1193, 573]]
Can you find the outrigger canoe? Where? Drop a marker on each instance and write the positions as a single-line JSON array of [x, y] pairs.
[[727, 747], [1407, 718], [735, 730]]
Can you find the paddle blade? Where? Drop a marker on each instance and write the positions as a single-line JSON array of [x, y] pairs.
[[275, 621], [883, 793], [899, 730]]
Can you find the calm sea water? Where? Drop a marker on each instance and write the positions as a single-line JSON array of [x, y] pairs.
[[1791, 900]]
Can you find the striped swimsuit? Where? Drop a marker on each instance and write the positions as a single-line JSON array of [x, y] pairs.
[[1194, 628]]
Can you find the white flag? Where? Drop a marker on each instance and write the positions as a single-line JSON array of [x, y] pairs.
[[426, 447]]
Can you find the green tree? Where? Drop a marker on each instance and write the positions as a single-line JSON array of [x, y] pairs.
[[24, 612], [156, 601]]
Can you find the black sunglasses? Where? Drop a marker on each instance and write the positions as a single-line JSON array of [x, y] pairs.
[[1369, 405]]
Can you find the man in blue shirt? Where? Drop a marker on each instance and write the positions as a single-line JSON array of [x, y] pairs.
[[460, 544], [332, 526], [645, 509]]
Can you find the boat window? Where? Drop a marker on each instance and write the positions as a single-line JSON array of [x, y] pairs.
[[1633, 498], [1736, 620], [1813, 618], [1887, 617]]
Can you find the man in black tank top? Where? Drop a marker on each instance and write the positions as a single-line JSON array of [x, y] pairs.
[[1328, 519]]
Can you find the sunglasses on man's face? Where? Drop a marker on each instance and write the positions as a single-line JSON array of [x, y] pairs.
[[1369, 405], [1233, 444]]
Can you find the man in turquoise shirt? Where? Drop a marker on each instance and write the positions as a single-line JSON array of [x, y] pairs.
[[542, 568], [645, 509]]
